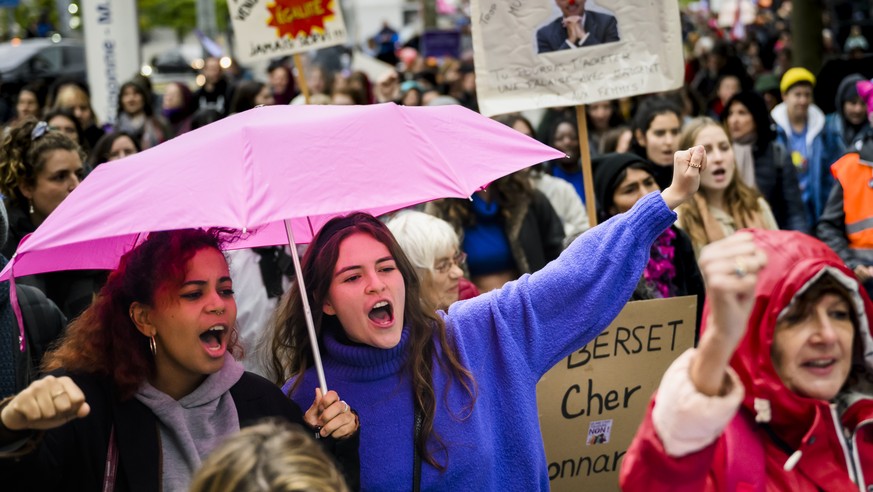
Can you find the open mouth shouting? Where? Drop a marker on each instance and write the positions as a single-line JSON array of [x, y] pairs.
[[382, 314], [214, 340]]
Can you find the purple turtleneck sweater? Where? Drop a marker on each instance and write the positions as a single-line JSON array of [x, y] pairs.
[[508, 339]]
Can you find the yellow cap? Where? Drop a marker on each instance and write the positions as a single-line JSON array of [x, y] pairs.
[[794, 76]]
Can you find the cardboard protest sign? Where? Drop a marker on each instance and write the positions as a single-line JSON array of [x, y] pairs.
[[532, 55], [274, 28], [592, 402]]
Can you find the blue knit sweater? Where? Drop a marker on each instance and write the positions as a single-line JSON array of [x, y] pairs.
[[508, 339]]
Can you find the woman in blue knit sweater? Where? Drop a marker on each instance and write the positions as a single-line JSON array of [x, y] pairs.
[[458, 389]]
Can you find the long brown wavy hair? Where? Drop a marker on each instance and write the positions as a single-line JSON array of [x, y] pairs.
[[740, 200], [103, 340], [291, 349]]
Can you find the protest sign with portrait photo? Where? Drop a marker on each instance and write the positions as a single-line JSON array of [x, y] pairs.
[[266, 29], [547, 53], [592, 402]]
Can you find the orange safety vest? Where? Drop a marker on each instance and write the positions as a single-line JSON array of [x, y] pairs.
[[856, 178]]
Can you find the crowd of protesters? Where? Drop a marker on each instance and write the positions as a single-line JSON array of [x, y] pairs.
[[774, 160]]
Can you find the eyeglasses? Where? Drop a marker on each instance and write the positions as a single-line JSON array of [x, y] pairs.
[[444, 266]]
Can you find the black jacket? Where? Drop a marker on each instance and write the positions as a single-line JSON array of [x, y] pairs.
[[776, 179], [43, 325]]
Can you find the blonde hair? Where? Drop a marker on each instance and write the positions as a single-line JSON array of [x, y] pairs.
[[69, 94], [273, 456], [741, 201]]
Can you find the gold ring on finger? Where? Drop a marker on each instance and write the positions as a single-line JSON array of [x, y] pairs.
[[60, 393]]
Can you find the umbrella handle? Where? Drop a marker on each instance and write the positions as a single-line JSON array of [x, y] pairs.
[[310, 326]]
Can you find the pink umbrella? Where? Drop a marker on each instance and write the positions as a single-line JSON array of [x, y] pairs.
[[278, 173]]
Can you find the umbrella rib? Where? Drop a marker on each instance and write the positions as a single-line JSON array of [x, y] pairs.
[[248, 177], [445, 163]]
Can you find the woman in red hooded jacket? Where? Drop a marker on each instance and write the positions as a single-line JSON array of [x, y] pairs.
[[779, 393]]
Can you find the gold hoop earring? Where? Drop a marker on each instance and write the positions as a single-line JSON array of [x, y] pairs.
[[152, 346]]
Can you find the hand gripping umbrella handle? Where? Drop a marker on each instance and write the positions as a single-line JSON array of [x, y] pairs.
[[310, 326]]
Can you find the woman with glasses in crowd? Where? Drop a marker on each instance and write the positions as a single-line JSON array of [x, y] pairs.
[[434, 250]]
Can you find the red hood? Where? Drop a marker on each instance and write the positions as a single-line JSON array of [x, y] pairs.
[[794, 259]]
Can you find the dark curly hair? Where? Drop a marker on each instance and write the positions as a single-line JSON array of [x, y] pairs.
[[23, 157]]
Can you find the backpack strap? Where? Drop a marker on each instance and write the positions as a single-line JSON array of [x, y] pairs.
[[745, 455]]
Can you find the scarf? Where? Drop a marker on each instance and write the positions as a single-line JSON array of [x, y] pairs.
[[715, 230], [131, 124], [745, 159], [660, 270], [195, 424]]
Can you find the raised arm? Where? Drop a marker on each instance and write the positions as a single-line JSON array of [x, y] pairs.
[[543, 317], [730, 271], [699, 395]]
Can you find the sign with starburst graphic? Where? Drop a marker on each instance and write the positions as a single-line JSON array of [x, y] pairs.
[[267, 29]]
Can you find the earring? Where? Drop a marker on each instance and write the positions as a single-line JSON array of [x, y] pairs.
[[152, 346], [31, 207]]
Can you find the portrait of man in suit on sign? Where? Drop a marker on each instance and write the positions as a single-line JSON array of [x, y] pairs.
[[576, 28]]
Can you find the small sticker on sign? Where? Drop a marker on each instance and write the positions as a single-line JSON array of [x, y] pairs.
[[598, 432]]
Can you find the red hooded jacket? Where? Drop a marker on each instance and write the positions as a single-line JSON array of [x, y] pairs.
[[831, 456]]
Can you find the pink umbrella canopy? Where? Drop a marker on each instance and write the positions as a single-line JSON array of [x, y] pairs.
[[256, 169]]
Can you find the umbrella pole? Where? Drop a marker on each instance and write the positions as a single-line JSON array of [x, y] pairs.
[[310, 326]]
